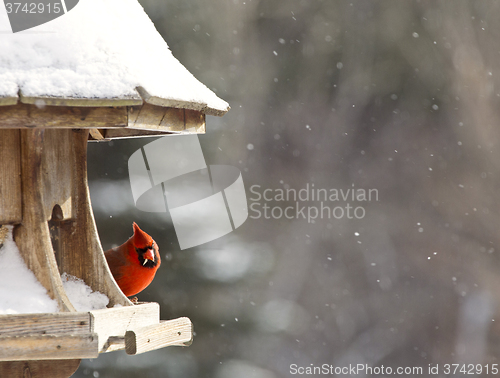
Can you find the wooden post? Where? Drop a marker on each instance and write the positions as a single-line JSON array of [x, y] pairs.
[[54, 188], [78, 246], [32, 235], [10, 177], [39, 369]]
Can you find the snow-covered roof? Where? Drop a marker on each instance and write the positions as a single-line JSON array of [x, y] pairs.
[[102, 52]]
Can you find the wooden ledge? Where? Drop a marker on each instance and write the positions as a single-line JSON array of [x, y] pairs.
[[75, 335], [134, 99], [105, 122], [137, 97], [177, 332]]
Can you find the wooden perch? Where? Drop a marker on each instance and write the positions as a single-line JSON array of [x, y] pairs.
[[75, 335], [177, 332]]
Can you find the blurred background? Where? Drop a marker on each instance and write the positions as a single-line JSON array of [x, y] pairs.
[[401, 97]]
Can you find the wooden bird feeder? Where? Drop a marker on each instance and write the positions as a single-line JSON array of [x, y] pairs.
[[44, 194]]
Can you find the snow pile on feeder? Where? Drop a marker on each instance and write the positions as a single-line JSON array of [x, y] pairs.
[[20, 291], [81, 296]]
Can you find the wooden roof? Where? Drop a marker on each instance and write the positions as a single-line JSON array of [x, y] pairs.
[[109, 71]]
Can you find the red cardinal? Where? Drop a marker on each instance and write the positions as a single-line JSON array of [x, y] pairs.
[[135, 262]]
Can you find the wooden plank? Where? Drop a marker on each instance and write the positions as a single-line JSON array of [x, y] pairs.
[[39, 369], [149, 117], [3, 234], [76, 241], [115, 343], [85, 334], [30, 116], [75, 323], [169, 102], [32, 235], [133, 113], [157, 118], [110, 134], [80, 101], [96, 134], [58, 166], [114, 322], [181, 104], [48, 347], [6, 100], [10, 177], [195, 120], [174, 119], [177, 332]]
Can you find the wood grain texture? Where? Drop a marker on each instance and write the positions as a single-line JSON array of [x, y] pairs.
[[194, 121], [169, 102], [96, 134], [133, 113], [22, 116], [108, 327], [157, 118], [58, 166], [114, 322], [3, 234], [5, 100], [110, 134], [149, 117], [32, 235], [80, 101], [45, 324], [174, 120], [38, 369], [177, 332], [151, 120], [76, 241], [116, 120], [48, 347], [180, 104], [10, 176]]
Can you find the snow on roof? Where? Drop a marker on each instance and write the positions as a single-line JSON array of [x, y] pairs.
[[101, 49]]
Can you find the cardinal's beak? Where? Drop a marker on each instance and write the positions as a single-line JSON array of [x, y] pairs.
[[149, 255]]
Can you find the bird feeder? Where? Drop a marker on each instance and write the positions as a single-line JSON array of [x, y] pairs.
[[100, 72]]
